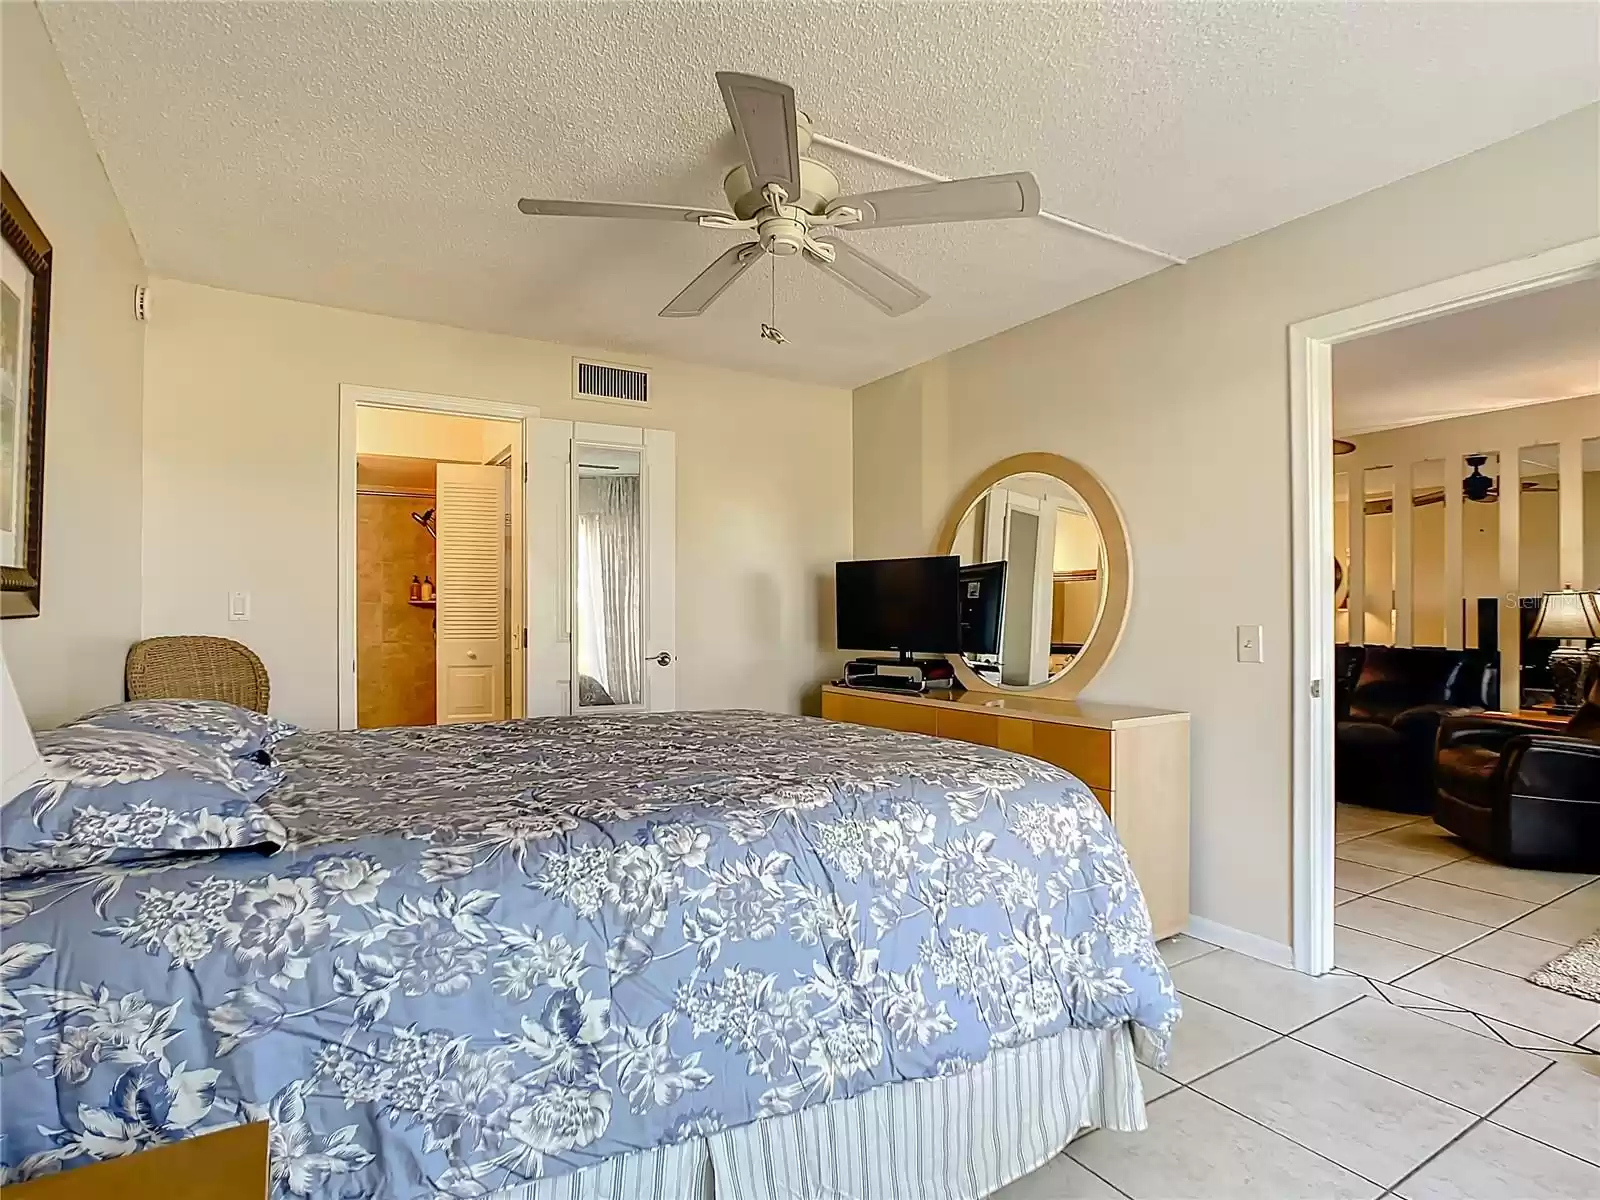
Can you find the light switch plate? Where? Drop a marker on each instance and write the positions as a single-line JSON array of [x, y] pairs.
[[238, 606], [1249, 643]]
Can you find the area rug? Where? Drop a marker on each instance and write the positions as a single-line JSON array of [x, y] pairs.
[[1577, 972]]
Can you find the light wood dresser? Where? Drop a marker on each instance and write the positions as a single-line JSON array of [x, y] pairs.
[[1136, 760]]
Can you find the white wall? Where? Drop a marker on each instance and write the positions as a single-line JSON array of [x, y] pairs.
[[69, 658], [1174, 390], [241, 474]]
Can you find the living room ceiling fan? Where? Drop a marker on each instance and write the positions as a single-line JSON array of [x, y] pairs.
[[792, 206]]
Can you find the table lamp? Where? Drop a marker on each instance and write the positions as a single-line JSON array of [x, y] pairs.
[[1574, 618]]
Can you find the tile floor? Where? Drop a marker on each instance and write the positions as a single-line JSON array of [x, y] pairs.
[[1423, 1068]]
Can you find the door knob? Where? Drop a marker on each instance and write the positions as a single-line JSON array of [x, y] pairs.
[[664, 659], [472, 654]]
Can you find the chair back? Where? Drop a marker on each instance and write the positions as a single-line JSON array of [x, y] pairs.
[[197, 668]]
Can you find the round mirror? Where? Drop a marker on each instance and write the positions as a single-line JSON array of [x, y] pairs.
[[1044, 575]]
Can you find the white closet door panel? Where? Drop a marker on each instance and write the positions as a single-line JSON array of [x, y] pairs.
[[470, 611], [550, 548]]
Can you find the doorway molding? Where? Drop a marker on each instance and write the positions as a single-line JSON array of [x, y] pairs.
[[1311, 344], [351, 398]]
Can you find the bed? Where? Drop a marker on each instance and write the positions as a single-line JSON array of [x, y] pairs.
[[734, 954]]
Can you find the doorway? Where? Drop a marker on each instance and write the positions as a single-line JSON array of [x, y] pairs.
[[438, 567], [1314, 675]]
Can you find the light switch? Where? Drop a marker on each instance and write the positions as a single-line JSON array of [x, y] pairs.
[[1249, 643], [238, 606]]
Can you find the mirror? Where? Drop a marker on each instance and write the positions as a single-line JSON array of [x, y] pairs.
[[1037, 574], [609, 591]]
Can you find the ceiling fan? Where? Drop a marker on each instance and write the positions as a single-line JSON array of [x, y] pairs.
[[792, 206]]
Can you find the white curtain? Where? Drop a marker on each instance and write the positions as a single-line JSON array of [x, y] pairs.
[[611, 585]]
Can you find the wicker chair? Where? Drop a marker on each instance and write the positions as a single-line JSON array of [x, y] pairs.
[[197, 668]]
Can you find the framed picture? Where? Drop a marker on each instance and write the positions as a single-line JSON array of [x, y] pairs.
[[25, 261]]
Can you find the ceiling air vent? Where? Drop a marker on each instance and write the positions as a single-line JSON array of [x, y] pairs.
[[608, 381]]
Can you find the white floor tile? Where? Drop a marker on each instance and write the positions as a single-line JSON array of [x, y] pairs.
[[1568, 920], [1592, 1042], [1402, 923], [1195, 1148], [1495, 994], [1526, 1038], [1577, 1061], [1180, 947], [1561, 1108], [1360, 878], [1376, 957], [1353, 821], [1276, 997], [1468, 1070], [1471, 1022], [1541, 887], [1483, 908], [1155, 1083], [1513, 953], [1377, 1128], [1411, 849], [1059, 1179], [1207, 1037], [1491, 1163]]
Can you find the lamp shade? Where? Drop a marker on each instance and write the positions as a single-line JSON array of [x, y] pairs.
[[20, 764], [1568, 614]]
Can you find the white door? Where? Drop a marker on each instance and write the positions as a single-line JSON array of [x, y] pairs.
[[602, 522], [470, 609]]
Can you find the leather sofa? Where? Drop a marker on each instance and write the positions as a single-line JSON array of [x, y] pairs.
[[1391, 700], [1522, 793]]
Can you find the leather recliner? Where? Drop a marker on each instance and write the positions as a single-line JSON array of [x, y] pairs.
[[1522, 793], [1385, 740]]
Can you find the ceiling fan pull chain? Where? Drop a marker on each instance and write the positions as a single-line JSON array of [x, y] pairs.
[[771, 331]]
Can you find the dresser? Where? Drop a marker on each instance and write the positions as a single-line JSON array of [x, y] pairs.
[[1136, 761]]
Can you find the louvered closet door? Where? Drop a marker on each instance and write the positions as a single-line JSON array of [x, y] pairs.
[[470, 637]]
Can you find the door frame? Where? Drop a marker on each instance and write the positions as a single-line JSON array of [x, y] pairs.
[[1311, 344], [352, 397]]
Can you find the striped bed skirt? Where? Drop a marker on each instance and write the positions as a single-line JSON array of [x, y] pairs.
[[957, 1137]]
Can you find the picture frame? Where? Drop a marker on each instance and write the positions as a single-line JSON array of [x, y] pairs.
[[26, 261]]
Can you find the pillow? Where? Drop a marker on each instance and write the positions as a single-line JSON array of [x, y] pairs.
[[118, 795], [20, 764], [212, 724]]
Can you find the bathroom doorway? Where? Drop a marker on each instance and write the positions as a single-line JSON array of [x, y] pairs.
[[438, 568]]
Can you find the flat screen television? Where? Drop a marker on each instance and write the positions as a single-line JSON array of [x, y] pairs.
[[983, 590], [901, 604]]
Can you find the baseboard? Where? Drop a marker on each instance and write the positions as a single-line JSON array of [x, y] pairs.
[[1252, 944]]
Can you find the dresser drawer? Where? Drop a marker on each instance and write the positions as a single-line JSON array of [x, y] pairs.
[[982, 729], [883, 714], [1084, 752]]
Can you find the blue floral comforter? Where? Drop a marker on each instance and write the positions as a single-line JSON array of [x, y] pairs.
[[497, 953]]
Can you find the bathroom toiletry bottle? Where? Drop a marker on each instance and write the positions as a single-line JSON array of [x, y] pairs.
[[427, 587], [416, 588]]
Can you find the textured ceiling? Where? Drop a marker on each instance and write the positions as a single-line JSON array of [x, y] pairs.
[[371, 155], [1526, 350]]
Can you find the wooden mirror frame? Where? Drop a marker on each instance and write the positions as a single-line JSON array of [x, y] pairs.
[[1113, 618]]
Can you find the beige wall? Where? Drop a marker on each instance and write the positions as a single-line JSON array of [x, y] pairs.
[[437, 436], [69, 658], [241, 484], [1174, 390]]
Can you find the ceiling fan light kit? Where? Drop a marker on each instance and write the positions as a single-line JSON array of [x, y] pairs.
[[788, 202]]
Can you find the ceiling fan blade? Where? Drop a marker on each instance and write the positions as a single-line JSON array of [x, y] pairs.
[[986, 198], [713, 281], [869, 278], [635, 212], [766, 123]]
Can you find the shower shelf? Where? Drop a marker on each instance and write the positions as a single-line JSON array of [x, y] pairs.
[[422, 603]]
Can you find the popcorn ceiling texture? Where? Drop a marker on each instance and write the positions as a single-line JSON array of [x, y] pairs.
[[370, 156]]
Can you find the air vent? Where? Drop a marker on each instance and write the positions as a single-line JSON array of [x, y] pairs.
[[608, 381]]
